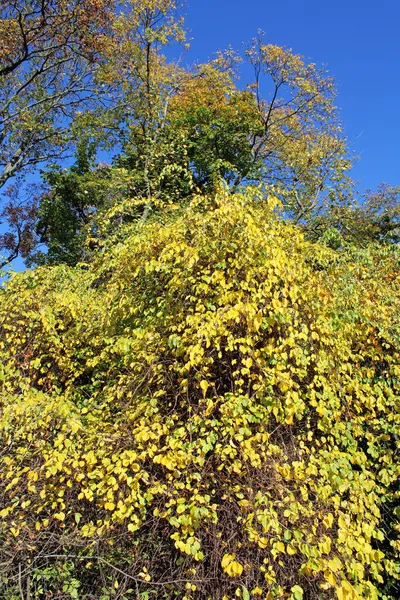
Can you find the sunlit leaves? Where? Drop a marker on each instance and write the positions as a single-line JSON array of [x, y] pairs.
[[231, 566], [214, 390]]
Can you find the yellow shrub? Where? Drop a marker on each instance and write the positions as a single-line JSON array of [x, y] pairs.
[[213, 387]]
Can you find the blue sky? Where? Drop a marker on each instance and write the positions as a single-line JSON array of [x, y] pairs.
[[358, 42]]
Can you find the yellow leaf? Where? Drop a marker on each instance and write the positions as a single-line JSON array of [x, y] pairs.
[[347, 592], [329, 577], [226, 559], [204, 386], [328, 520], [325, 546], [232, 567], [257, 320], [74, 426], [256, 592]]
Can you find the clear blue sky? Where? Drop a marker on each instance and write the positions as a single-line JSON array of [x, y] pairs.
[[358, 42]]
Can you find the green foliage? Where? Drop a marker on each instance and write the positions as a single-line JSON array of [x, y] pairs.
[[65, 210], [220, 124], [210, 410], [375, 219]]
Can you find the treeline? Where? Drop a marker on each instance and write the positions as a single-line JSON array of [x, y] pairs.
[[84, 77]]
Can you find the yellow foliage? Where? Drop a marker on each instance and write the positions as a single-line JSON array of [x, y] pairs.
[[232, 567], [214, 390]]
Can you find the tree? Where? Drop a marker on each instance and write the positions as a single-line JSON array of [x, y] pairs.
[[373, 219], [138, 82], [60, 56], [183, 131], [65, 208], [20, 214], [178, 131], [217, 122], [303, 151], [47, 62], [144, 82], [283, 130]]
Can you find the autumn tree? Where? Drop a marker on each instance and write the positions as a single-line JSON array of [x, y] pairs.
[[144, 82], [48, 57], [175, 131], [217, 122], [304, 154], [283, 130], [60, 56], [19, 213], [184, 130], [373, 218], [47, 61], [129, 84]]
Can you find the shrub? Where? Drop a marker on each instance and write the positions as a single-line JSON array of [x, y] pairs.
[[209, 411]]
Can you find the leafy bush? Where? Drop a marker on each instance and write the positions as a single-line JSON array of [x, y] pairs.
[[209, 411]]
